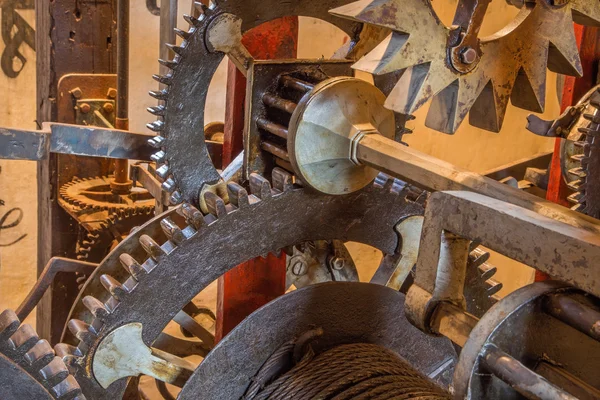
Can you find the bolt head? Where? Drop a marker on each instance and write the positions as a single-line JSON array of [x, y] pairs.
[[337, 263], [299, 268], [468, 55], [76, 93], [85, 108], [112, 93], [108, 107]]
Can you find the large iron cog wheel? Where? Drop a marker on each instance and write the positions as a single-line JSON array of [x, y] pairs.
[[183, 159], [480, 76], [29, 369], [155, 287]]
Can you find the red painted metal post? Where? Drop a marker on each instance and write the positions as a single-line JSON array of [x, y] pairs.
[[256, 282], [588, 40]]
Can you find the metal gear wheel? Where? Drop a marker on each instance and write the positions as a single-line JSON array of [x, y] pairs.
[[586, 170], [95, 194], [183, 159], [480, 77], [201, 249], [29, 369]]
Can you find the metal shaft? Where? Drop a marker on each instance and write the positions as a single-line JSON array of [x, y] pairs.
[[433, 174], [122, 121], [581, 317]]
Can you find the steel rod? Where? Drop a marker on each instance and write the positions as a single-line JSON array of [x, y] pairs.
[[522, 379], [121, 173], [275, 150], [433, 174], [296, 84], [574, 314], [272, 127], [279, 103]]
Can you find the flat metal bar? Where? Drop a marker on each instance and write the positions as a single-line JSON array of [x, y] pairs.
[[17, 144]]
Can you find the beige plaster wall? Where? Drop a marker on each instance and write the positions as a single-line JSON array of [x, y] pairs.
[[469, 147]]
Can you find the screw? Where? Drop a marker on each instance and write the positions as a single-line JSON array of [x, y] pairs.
[[468, 55], [85, 108], [108, 107], [337, 263], [299, 268], [76, 93], [112, 93]]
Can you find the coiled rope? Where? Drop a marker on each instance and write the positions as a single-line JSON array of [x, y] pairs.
[[351, 371]]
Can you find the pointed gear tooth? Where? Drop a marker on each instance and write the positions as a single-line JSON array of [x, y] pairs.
[[192, 215], [176, 49], [260, 186], [55, 372], [185, 35], [576, 198], [113, 286], [172, 230], [169, 185], [24, 339], [200, 7], [156, 126], [190, 19], [132, 266], [164, 79], [96, 307], [586, 12], [176, 198], [82, 331], [40, 354], [158, 157], [159, 95], [168, 63], [282, 180], [215, 204], [151, 247], [578, 171], [64, 350], [158, 110], [9, 323], [574, 185], [238, 196]]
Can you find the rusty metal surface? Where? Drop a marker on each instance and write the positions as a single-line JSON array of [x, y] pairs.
[[541, 339], [560, 250], [28, 365], [346, 312], [511, 65], [219, 241]]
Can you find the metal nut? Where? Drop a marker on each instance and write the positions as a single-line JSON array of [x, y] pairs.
[[337, 263], [468, 55], [108, 107], [76, 93], [85, 108], [112, 93], [299, 268]]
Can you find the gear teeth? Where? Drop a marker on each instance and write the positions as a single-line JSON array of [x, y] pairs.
[[238, 196], [176, 49], [577, 172], [193, 21], [70, 355], [176, 198], [156, 126], [82, 331], [282, 180], [158, 111], [96, 307], [68, 389], [24, 339], [169, 185], [159, 95], [9, 323], [592, 118], [182, 34], [113, 287], [132, 266], [494, 287], [486, 271], [192, 215], [478, 257], [158, 157], [260, 186], [215, 204], [167, 63], [200, 7], [40, 355], [151, 247], [164, 79], [163, 172], [172, 231], [55, 372], [576, 198], [575, 185]]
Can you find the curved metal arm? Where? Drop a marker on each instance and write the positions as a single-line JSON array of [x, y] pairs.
[[152, 7]]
